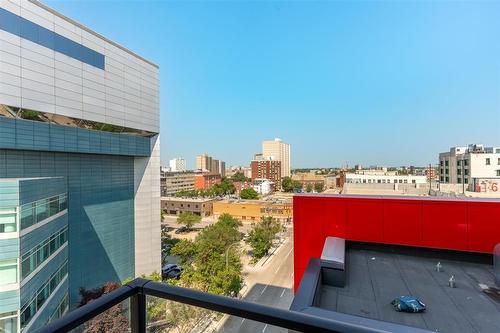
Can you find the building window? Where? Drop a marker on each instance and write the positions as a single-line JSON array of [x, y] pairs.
[[498, 173], [488, 162], [446, 171], [8, 271], [413, 181], [8, 322], [498, 162], [466, 162], [466, 172], [29, 309], [466, 180], [441, 178], [459, 180], [459, 162], [34, 212], [459, 171], [8, 220], [61, 309], [446, 163], [441, 163], [41, 252], [447, 179]]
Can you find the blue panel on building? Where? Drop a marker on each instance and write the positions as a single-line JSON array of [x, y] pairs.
[[35, 33], [31, 135]]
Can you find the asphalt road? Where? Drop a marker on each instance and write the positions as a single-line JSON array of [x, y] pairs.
[[271, 284]]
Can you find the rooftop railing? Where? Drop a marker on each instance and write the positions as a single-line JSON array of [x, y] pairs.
[[138, 294]]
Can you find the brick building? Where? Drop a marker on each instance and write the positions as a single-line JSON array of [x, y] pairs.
[[266, 169]]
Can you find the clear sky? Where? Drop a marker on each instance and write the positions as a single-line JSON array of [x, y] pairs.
[[376, 83]]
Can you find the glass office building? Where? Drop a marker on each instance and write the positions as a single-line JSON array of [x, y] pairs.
[[79, 164]]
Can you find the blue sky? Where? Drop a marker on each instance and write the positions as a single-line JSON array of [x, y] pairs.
[[376, 83]]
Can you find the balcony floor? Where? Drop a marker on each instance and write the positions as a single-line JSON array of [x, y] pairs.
[[375, 278]]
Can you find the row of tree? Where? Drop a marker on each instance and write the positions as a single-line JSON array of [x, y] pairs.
[[225, 187], [290, 185], [211, 261], [262, 235]]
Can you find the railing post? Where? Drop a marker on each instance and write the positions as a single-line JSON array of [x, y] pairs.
[[138, 313]]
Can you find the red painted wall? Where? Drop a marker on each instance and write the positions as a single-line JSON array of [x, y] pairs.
[[455, 224]]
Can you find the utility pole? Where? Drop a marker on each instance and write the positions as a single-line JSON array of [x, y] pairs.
[[430, 179], [463, 176]]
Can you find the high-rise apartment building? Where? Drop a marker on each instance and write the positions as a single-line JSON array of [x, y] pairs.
[[222, 168], [177, 164], [267, 169], [205, 162], [280, 151], [79, 161], [469, 165]]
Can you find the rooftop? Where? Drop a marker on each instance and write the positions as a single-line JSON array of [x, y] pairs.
[[376, 274], [179, 199]]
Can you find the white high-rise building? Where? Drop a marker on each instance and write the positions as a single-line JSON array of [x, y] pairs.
[[177, 164], [279, 151], [470, 165]]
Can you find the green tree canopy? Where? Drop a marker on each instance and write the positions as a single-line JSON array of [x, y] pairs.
[[204, 259], [319, 187], [289, 185], [188, 219], [249, 193], [309, 187], [240, 177], [262, 234]]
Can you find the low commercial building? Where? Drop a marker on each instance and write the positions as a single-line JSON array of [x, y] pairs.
[[198, 206], [309, 179], [204, 181], [175, 182], [356, 178], [254, 210], [241, 186]]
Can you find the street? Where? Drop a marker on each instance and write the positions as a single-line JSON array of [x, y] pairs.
[[270, 284]]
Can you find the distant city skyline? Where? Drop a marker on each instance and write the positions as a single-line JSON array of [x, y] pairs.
[[388, 83]]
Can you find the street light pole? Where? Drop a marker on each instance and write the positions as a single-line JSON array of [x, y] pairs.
[[227, 254]]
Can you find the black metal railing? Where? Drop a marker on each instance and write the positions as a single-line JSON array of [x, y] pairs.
[[138, 289]]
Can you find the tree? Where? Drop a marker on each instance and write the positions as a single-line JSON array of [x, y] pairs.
[[319, 187], [240, 177], [162, 214], [289, 185], [262, 235], [249, 193], [309, 187], [111, 320], [188, 219], [204, 259], [286, 184]]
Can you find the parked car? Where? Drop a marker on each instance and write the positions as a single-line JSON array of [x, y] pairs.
[[171, 271], [165, 248], [181, 230]]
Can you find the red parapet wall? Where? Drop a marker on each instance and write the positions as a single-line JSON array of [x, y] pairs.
[[455, 224]]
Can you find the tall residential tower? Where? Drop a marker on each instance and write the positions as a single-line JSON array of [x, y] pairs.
[[280, 151], [79, 161]]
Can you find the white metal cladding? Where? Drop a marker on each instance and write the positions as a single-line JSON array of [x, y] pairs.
[[125, 93]]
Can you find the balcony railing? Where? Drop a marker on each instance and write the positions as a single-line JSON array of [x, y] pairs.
[[137, 291]]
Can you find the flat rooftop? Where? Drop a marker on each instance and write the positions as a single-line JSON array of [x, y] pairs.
[[376, 274], [181, 199]]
